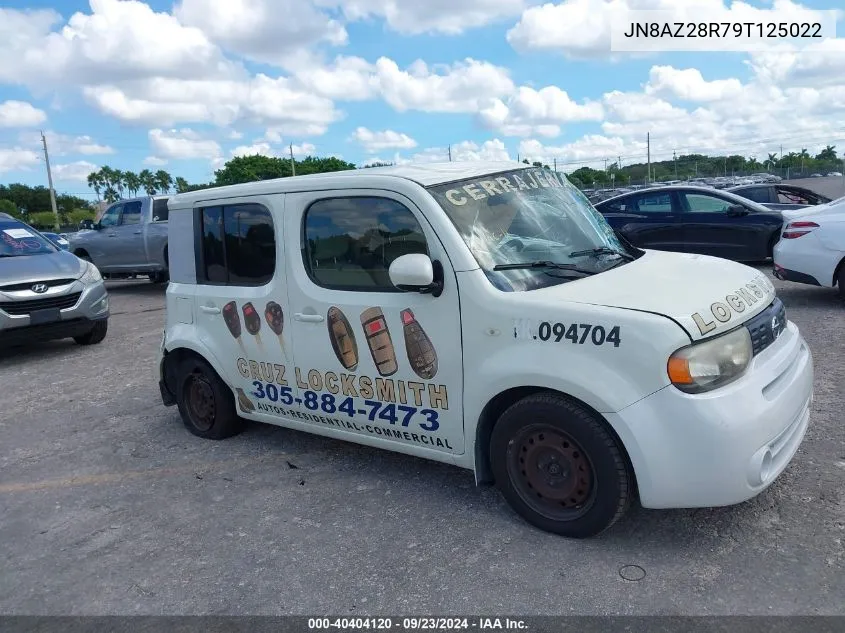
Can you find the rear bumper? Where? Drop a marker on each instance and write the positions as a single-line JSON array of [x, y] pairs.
[[784, 274], [726, 446]]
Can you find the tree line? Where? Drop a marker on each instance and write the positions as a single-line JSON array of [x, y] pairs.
[[684, 167], [32, 205]]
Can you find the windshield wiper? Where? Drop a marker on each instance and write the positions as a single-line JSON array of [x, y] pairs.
[[543, 264], [601, 250]]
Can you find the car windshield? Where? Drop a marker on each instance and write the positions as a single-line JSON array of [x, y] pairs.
[[530, 228], [17, 239]]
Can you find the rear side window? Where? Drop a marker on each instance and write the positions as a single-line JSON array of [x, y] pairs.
[[351, 242], [160, 210], [658, 202], [131, 213], [237, 245], [757, 194]]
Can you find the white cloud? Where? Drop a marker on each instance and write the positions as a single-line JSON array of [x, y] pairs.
[[461, 87], [537, 112], [64, 144], [590, 150], [347, 78], [259, 148], [17, 158], [493, 149], [118, 40], [20, 114], [818, 64], [183, 144], [154, 161], [263, 147], [262, 30], [373, 141], [76, 171], [690, 85], [581, 28], [262, 99], [415, 17]]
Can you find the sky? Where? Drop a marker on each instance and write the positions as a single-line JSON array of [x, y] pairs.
[[186, 86]]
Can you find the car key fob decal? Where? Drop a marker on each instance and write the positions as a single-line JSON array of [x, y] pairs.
[[379, 341], [251, 319], [342, 338], [275, 317], [421, 353], [232, 319]]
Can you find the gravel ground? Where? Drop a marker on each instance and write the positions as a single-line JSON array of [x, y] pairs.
[[109, 506]]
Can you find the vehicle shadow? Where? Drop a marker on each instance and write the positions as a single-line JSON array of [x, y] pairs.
[[639, 530], [135, 286], [36, 351]]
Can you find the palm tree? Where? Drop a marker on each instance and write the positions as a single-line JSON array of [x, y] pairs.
[[181, 185], [110, 192], [119, 182], [773, 158], [148, 182], [133, 183], [163, 181], [828, 153], [95, 182]]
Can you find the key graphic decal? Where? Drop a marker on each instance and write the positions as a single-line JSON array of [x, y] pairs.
[[232, 319], [244, 402], [342, 338], [275, 317], [379, 341], [251, 319], [421, 353]]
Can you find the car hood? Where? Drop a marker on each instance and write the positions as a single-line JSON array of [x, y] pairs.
[[705, 295], [26, 268]]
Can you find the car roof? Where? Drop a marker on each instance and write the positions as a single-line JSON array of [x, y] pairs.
[[6, 216], [424, 174], [710, 190]]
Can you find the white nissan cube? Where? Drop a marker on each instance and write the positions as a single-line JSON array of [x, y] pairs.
[[486, 316]]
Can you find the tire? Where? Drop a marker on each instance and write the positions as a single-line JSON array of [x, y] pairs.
[[205, 402], [560, 467], [96, 335], [159, 277], [840, 280]]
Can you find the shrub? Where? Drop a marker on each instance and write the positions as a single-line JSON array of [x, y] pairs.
[[7, 206], [77, 215], [43, 220]]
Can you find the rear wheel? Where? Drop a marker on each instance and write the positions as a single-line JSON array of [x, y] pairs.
[[840, 280], [206, 402], [559, 466], [159, 277], [96, 335]]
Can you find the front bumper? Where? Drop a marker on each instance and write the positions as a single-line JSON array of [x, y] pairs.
[[77, 319], [726, 446]]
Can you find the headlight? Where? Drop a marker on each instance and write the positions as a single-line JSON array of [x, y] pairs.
[[711, 364], [92, 275]]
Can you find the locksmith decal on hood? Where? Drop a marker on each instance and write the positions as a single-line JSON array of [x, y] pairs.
[[734, 304]]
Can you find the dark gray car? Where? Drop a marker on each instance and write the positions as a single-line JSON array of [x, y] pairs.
[[45, 292]]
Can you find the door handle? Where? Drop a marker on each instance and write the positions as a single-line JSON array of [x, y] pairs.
[[309, 318], [210, 309], [137, 232]]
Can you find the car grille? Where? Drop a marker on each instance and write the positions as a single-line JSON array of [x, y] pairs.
[[50, 283], [18, 308], [761, 327]]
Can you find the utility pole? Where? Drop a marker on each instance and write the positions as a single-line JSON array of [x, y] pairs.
[[292, 161], [450, 153], [619, 162], [675, 160], [555, 161], [50, 181], [648, 150], [726, 166]]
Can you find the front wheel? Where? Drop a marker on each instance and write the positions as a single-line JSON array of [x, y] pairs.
[[97, 334], [206, 402], [559, 466]]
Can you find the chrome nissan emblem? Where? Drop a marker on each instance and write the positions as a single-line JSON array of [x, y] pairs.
[[40, 288]]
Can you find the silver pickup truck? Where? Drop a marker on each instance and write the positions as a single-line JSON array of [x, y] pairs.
[[129, 239]]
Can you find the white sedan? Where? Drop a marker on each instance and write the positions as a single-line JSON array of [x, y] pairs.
[[811, 249]]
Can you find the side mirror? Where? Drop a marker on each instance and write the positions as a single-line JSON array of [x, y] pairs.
[[737, 210], [417, 273]]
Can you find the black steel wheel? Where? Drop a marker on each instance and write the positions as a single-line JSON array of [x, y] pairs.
[[551, 472], [206, 402], [560, 466]]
